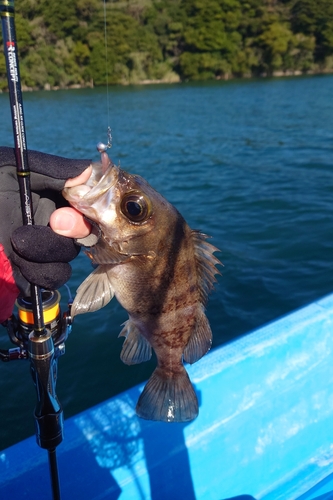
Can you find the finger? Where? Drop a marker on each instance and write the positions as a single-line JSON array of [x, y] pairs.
[[49, 275], [69, 222], [80, 179], [56, 167], [41, 244], [47, 171]]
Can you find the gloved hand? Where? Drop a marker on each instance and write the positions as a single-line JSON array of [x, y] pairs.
[[36, 254]]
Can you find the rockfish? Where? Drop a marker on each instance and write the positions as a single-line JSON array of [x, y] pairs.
[[160, 271]]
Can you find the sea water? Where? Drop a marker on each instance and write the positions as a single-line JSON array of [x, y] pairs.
[[247, 162]]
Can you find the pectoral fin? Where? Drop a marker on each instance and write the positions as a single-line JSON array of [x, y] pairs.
[[94, 293], [136, 348]]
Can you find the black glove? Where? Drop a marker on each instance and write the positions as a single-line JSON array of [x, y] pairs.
[[37, 253]]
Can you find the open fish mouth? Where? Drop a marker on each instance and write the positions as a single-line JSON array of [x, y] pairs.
[[97, 188], [102, 179]]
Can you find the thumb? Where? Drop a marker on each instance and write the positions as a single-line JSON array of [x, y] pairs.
[[69, 222]]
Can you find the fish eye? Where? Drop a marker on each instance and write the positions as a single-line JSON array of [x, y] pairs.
[[135, 207]]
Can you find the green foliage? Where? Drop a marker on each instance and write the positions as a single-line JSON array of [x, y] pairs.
[[132, 51], [315, 17], [63, 44], [289, 51]]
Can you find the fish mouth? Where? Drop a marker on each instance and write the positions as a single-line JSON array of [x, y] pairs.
[[103, 178], [106, 182]]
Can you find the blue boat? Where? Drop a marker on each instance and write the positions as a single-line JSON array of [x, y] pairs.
[[264, 431]]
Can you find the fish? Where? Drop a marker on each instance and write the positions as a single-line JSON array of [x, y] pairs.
[[160, 271]]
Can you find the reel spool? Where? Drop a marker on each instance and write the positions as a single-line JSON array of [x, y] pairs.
[[51, 314]]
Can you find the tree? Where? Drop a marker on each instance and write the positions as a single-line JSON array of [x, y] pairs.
[[315, 18], [62, 44]]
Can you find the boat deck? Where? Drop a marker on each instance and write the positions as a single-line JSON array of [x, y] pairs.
[[265, 429]]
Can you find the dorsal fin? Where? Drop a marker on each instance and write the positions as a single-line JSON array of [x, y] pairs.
[[206, 263]]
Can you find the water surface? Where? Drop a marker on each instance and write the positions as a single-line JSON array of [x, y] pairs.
[[247, 162]]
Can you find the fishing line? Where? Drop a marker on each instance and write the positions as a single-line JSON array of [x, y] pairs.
[[109, 135]]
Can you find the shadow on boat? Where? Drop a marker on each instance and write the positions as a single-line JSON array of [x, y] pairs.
[[151, 455], [240, 497], [79, 477], [109, 452]]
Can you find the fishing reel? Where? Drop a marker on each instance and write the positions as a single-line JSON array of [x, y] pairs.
[[20, 327], [42, 349]]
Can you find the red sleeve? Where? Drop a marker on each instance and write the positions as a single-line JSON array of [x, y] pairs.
[[8, 288]]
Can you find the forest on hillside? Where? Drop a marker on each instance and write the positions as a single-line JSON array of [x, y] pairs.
[[62, 44]]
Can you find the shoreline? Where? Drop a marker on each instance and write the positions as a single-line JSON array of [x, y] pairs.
[[226, 77]]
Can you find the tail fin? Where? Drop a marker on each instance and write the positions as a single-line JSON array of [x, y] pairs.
[[169, 399]]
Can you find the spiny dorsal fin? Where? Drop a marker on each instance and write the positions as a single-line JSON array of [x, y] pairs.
[[201, 339], [206, 263], [136, 348], [94, 293]]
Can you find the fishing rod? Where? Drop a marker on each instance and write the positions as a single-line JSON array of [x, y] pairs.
[[41, 343]]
